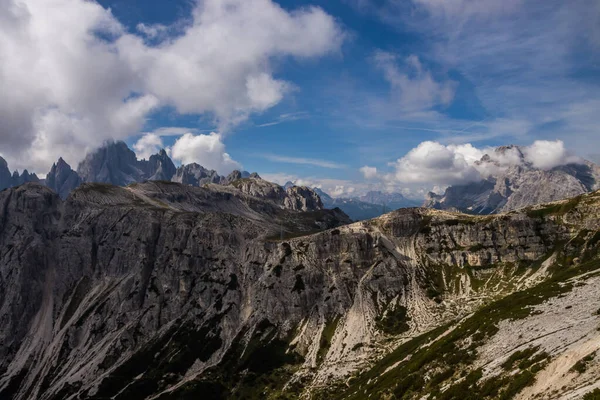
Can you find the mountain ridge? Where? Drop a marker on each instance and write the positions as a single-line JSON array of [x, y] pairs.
[[165, 290]]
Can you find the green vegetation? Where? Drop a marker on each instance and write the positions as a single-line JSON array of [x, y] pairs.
[[582, 365], [170, 356], [525, 358], [394, 321], [593, 395], [402, 373], [103, 188], [476, 247], [256, 369], [326, 338], [554, 209]]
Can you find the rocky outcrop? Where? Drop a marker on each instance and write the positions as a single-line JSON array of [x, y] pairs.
[[196, 175], [113, 163], [159, 167], [62, 179], [5, 176], [516, 186], [7, 180], [293, 198], [302, 198], [165, 290], [116, 164]]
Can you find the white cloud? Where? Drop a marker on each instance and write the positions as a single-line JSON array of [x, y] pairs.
[[368, 172], [435, 164], [546, 154], [432, 162], [72, 77], [148, 145], [221, 64], [206, 150]]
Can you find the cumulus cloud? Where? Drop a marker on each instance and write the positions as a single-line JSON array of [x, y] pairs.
[[221, 64], [436, 164], [148, 145], [368, 172], [206, 150], [546, 154], [72, 76]]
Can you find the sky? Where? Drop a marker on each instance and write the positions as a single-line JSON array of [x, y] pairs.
[[347, 95]]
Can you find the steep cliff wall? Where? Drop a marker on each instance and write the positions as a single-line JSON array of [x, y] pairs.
[[160, 290]]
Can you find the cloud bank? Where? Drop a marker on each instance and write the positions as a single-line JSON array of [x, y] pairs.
[[72, 77], [437, 164]]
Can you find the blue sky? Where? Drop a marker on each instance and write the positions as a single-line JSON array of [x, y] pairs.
[[340, 84]]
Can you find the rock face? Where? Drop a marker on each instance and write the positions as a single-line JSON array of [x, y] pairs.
[[196, 175], [517, 186], [62, 179], [7, 180], [116, 164], [293, 198], [5, 176], [159, 167], [302, 198], [161, 290]]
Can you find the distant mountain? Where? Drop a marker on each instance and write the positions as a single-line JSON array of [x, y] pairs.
[[290, 197], [8, 180], [62, 179], [516, 186], [159, 167], [195, 175], [371, 205], [356, 209], [390, 200], [117, 164]]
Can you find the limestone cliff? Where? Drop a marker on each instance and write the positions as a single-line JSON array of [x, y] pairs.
[[160, 290]]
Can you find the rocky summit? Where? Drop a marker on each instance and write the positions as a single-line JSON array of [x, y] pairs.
[[515, 186], [160, 290]]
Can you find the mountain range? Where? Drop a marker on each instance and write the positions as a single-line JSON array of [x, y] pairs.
[[370, 205], [505, 188], [116, 164], [160, 290]]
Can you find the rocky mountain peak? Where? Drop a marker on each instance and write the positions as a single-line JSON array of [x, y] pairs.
[[112, 163], [5, 176], [160, 167], [62, 178], [233, 176], [196, 175]]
